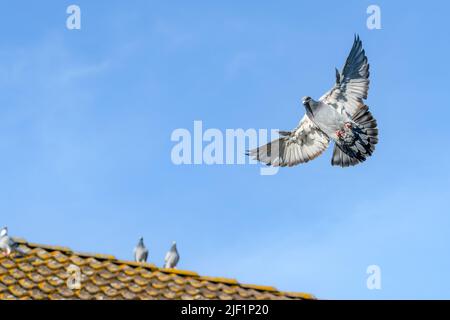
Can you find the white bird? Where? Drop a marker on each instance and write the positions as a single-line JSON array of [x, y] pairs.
[[140, 251], [7, 245], [172, 257], [339, 115]]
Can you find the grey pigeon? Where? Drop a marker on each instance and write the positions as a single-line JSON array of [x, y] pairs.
[[339, 115], [140, 251], [7, 245], [172, 257]]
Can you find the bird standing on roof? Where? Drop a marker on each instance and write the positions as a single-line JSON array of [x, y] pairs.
[[7, 245], [140, 251], [172, 257], [339, 115]]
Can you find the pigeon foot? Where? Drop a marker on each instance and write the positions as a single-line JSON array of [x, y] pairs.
[[340, 134]]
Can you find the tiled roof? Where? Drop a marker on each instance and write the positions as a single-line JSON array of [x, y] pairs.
[[44, 271]]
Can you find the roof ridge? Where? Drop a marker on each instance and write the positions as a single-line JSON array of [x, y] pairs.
[[153, 267]]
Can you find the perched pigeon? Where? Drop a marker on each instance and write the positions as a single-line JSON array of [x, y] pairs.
[[140, 251], [172, 257], [339, 115], [7, 245]]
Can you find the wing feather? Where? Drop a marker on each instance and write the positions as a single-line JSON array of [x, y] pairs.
[[304, 143], [352, 84]]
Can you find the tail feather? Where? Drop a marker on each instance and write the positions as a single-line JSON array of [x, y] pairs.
[[365, 137], [341, 159]]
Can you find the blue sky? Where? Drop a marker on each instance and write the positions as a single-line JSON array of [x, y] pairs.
[[86, 118]]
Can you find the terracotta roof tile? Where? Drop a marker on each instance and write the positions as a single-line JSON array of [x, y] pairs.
[[62, 274], [24, 266], [55, 296], [116, 284], [3, 270], [42, 254], [77, 260], [105, 274], [175, 288], [46, 287], [36, 277], [7, 279], [53, 264], [92, 288], [44, 271], [224, 296], [229, 290], [83, 295], [17, 290], [109, 291], [8, 296], [152, 292], [243, 293], [55, 281], [192, 290], [145, 296], [65, 292], [99, 281], [60, 257], [128, 295], [141, 281], [158, 284], [7, 263], [87, 270], [37, 262], [169, 295], [210, 295], [27, 283], [16, 273]]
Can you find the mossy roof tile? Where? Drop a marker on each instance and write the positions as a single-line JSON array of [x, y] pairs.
[[44, 270]]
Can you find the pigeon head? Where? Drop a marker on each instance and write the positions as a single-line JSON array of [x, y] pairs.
[[306, 100], [141, 240], [308, 103]]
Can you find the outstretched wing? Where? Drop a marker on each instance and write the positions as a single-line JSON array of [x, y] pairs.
[[352, 84], [304, 143]]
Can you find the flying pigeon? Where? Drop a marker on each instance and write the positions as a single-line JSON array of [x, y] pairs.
[[7, 245], [172, 257], [339, 115], [140, 251]]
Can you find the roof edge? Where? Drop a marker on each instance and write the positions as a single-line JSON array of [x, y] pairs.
[[153, 267]]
